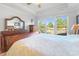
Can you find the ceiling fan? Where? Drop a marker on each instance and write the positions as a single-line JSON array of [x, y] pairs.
[[38, 4]]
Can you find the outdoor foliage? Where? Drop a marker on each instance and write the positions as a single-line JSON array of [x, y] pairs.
[[41, 27], [61, 23], [50, 25]]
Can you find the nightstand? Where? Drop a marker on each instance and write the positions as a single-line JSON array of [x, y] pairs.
[[31, 28]]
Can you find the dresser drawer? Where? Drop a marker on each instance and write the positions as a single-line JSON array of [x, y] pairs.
[[1, 44]]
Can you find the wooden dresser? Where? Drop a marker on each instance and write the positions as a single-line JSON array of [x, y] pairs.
[[9, 37], [1, 43], [14, 30]]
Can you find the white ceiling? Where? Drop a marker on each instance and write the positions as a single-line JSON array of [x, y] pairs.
[[44, 6], [34, 9]]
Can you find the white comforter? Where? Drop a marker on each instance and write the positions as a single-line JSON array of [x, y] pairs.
[[48, 44]]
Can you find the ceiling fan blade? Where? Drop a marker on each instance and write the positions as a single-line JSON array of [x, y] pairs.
[[39, 6], [29, 3]]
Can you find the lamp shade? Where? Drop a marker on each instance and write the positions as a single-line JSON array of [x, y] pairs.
[[75, 27]]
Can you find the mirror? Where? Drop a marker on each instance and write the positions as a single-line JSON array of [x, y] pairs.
[[14, 23]]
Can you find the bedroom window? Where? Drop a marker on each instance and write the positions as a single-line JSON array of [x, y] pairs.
[[51, 25]]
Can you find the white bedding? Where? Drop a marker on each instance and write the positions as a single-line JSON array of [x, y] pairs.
[[51, 45]]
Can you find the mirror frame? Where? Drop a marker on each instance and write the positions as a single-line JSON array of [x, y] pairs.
[[7, 19]]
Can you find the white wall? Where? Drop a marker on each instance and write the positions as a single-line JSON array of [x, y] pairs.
[[8, 12]]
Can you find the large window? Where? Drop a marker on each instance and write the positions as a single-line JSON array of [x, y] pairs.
[[56, 25]]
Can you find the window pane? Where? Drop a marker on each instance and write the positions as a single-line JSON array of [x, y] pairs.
[[47, 25], [62, 25], [42, 27]]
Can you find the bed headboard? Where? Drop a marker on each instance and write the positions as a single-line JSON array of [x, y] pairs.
[[14, 23]]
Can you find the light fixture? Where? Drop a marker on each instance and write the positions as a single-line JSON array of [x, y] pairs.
[[38, 4], [75, 28]]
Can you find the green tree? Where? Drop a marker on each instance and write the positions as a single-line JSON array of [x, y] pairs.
[[41, 27], [50, 25], [60, 22]]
